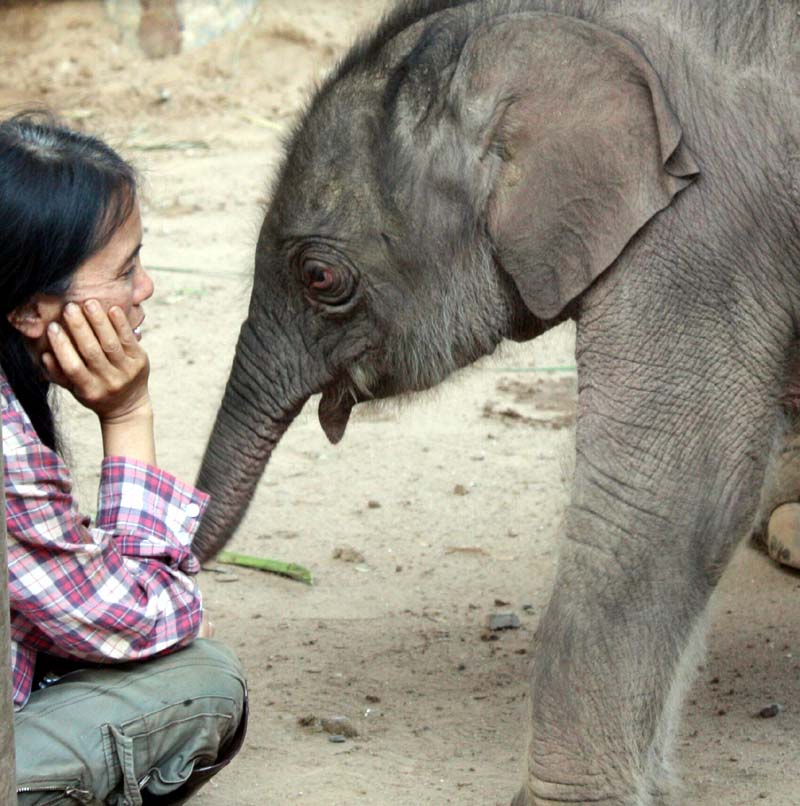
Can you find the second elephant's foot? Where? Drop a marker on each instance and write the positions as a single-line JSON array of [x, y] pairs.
[[783, 535]]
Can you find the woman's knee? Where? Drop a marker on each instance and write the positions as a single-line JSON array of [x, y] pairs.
[[210, 722], [153, 721], [211, 667]]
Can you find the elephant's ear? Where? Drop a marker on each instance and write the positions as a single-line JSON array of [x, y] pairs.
[[580, 144]]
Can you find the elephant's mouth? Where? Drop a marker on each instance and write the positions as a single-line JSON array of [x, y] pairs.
[[338, 399], [334, 411]]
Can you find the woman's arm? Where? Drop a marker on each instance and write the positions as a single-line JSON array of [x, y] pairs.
[[119, 590]]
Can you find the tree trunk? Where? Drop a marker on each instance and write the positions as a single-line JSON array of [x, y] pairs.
[[8, 788]]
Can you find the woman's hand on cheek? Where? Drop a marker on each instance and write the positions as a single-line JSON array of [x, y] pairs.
[[96, 356]]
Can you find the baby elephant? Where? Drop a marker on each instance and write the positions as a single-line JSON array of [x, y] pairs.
[[479, 171]]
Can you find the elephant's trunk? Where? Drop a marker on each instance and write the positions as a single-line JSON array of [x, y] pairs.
[[259, 404]]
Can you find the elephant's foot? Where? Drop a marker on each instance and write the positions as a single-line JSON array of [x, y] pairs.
[[523, 798], [783, 534], [657, 786]]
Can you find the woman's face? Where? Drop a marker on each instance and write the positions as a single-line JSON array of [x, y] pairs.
[[112, 276], [115, 276]]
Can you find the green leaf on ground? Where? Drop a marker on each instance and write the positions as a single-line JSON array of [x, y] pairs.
[[291, 570]]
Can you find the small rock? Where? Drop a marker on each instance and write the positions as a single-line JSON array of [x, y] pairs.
[[527, 607], [306, 721], [337, 738], [348, 554], [461, 667], [460, 489], [501, 603], [226, 577], [503, 621], [338, 726], [372, 698], [373, 504], [770, 711]]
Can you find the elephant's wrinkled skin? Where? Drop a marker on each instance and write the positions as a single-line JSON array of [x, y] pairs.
[[480, 171]]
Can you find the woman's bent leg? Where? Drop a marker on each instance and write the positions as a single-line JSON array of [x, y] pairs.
[[118, 734]]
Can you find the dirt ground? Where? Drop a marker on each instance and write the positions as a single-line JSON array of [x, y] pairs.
[[453, 505]]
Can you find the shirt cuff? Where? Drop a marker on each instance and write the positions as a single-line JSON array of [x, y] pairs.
[[149, 509]]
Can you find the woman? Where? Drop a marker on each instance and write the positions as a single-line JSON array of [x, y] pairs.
[[137, 710]]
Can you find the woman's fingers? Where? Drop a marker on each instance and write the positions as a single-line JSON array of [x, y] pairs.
[[97, 356], [54, 372], [104, 331], [123, 330], [83, 335], [71, 366]]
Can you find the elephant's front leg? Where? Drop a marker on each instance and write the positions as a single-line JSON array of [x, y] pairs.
[[669, 460], [615, 649]]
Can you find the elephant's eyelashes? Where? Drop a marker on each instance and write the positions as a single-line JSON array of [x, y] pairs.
[[326, 283]]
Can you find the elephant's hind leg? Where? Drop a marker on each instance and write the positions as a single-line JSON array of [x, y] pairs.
[[777, 525]]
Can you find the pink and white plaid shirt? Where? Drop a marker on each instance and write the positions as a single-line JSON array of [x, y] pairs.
[[116, 591]]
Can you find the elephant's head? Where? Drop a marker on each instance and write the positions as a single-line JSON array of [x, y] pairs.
[[460, 179]]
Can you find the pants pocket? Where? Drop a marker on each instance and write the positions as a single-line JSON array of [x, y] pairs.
[[128, 792], [159, 750], [50, 792]]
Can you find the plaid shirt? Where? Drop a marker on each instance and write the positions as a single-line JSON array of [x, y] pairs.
[[116, 591]]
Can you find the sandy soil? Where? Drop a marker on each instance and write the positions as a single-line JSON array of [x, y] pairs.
[[455, 502]]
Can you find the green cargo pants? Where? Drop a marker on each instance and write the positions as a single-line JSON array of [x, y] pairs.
[[129, 734]]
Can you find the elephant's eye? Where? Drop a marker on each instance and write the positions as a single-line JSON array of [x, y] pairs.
[[327, 283], [317, 275]]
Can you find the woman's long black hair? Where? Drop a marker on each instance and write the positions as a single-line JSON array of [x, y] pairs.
[[63, 194]]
